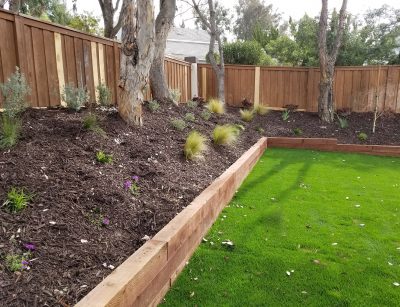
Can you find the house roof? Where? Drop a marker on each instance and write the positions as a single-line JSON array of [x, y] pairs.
[[185, 34]]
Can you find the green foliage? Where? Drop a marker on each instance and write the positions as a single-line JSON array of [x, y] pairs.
[[104, 158], [178, 124], [260, 130], [86, 22], [10, 131], [243, 52], [215, 106], [195, 145], [14, 262], [104, 94], [190, 117], [297, 131], [75, 97], [17, 200], [225, 134], [14, 92], [90, 122], [362, 136], [175, 94], [205, 114], [153, 105], [285, 115], [261, 110], [285, 50], [246, 115], [343, 123], [192, 104]]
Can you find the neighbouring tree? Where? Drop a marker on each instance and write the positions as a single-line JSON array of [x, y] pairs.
[[327, 60], [137, 52], [108, 9], [246, 53], [164, 23]]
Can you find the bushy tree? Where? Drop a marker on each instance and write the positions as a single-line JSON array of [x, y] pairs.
[[245, 53]]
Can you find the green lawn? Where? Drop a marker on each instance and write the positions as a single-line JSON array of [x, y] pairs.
[[331, 220]]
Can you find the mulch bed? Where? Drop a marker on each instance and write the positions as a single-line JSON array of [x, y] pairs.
[[55, 160]]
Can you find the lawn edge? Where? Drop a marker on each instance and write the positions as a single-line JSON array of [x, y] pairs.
[[145, 277], [331, 144]]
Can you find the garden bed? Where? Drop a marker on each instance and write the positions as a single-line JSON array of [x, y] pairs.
[[55, 160]]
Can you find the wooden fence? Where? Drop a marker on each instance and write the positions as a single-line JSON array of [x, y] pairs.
[[354, 87], [51, 56]]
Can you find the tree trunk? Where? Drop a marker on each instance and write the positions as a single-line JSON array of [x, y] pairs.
[[137, 51], [164, 22], [15, 5], [2, 2], [108, 11]]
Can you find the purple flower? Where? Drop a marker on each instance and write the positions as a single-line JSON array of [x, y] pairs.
[[106, 221], [127, 184], [135, 178], [25, 264], [30, 246]]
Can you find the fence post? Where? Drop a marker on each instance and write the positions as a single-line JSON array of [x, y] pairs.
[[257, 86], [204, 82], [194, 86]]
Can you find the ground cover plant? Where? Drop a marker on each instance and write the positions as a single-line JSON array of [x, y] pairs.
[[306, 228]]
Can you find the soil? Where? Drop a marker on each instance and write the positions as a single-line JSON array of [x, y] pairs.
[[55, 160]]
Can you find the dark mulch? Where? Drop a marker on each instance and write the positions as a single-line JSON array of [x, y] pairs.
[[55, 160]]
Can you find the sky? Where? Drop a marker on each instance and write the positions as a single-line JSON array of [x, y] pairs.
[[288, 8]]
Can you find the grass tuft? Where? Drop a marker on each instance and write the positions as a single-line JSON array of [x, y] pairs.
[[261, 110], [246, 115], [90, 122], [10, 131], [216, 106], [17, 200], [225, 134], [195, 145], [104, 158]]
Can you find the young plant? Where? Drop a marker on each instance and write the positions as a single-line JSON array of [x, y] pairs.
[[10, 131], [225, 134], [175, 94], [132, 185], [362, 136], [297, 131], [104, 94], [205, 114], [14, 92], [215, 106], [343, 123], [17, 200], [90, 122], [261, 110], [75, 97], [16, 263], [246, 115], [190, 117], [195, 145], [192, 104], [178, 124], [285, 115], [153, 105], [104, 158], [260, 130]]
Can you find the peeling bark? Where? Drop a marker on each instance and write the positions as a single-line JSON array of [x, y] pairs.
[[137, 51]]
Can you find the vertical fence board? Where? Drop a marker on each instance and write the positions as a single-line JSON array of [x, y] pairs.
[[87, 63], [40, 67], [51, 68]]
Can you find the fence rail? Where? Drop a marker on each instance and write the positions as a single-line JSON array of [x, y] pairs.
[[51, 56], [354, 87]]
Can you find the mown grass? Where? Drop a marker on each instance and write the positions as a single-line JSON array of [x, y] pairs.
[[331, 218]]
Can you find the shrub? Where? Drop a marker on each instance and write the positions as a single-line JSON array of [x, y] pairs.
[[17, 200], [192, 104], [10, 131], [75, 97], [246, 115], [246, 52], [343, 122], [15, 262], [205, 114], [261, 110], [190, 117], [14, 92], [153, 105], [178, 124], [104, 94], [247, 104], [132, 185], [90, 122], [102, 157], [260, 130], [362, 136], [215, 106], [285, 115], [175, 94], [225, 134], [195, 145], [297, 131]]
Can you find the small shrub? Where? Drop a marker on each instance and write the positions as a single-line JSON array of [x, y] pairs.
[[132, 185], [362, 136], [10, 131], [153, 105], [190, 117], [16, 263], [285, 115], [240, 127], [343, 122], [175, 94], [261, 110], [75, 97], [216, 106], [260, 130], [246, 103], [104, 94], [17, 200], [192, 104], [178, 124], [225, 135], [102, 157], [195, 145], [14, 92], [205, 114], [90, 122], [246, 115], [297, 131]]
